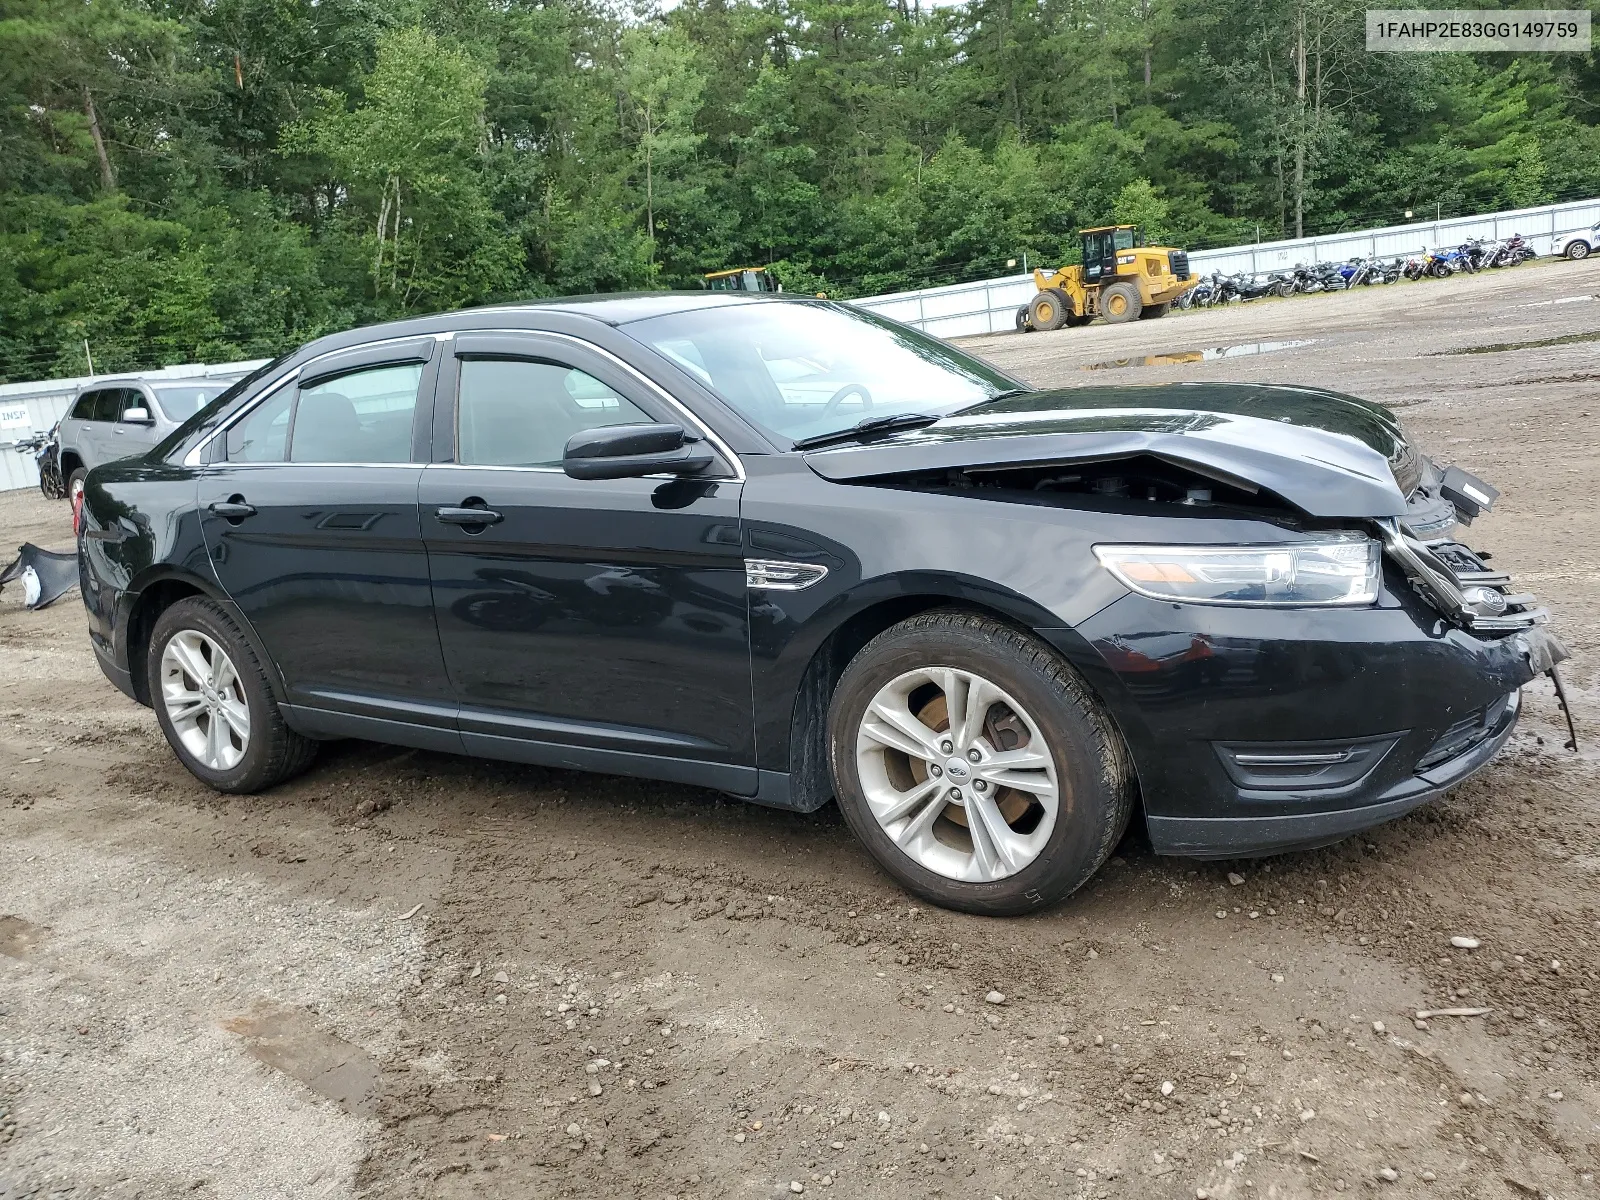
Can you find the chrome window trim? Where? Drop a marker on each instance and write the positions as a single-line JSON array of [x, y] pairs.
[[454, 466], [193, 458], [302, 463]]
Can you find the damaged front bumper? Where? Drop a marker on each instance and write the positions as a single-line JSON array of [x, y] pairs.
[[1271, 730]]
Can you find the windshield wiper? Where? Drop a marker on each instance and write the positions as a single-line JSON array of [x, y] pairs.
[[884, 424]]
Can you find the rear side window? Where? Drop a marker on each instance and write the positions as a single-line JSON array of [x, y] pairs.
[[519, 413], [263, 436], [363, 417]]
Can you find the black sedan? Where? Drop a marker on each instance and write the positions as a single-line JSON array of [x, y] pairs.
[[791, 551]]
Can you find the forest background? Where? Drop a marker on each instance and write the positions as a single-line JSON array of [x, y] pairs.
[[211, 180]]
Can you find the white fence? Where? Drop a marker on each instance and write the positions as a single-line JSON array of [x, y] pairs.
[[990, 306], [29, 408]]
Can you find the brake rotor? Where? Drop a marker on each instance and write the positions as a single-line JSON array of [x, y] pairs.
[[1004, 733]]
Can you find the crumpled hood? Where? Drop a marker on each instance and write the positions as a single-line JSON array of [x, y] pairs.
[[1328, 454]]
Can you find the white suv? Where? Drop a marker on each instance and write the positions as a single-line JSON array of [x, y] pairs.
[[118, 418], [1580, 243]]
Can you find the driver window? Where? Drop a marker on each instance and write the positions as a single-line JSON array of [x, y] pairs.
[[520, 413]]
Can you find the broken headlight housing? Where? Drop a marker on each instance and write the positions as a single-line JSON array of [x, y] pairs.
[[1333, 569]]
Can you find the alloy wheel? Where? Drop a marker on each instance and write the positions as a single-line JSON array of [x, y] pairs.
[[958, 774], [204, 699]]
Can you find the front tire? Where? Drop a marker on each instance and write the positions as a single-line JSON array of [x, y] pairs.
[[75, 483], [1120, 302], [1578, 250], [975, 765], [214, 703], [1151, 311], [1049, 309]]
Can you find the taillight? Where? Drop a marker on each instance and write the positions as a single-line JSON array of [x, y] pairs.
[[77, 513]]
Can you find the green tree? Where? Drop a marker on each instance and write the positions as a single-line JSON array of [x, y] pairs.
[[410, 152], [662, 86]]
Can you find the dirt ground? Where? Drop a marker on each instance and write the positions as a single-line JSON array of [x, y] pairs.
[[636, 990]]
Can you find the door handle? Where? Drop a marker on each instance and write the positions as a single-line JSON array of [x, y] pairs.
[[233, 510], [468, 516]]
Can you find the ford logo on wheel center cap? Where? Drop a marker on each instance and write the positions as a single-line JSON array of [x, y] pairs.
[[956, 768]]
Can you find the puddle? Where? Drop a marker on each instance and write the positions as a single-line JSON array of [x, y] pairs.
[[1558, 300], [19, 938], [287, 1040], [1179, 357], [1500, 347]]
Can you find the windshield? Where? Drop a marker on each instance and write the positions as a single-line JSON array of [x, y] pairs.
[[799, 370], [181, 403]]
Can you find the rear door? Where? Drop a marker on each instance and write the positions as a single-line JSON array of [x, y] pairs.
[[599, 624], [91, 420], [311, 522]]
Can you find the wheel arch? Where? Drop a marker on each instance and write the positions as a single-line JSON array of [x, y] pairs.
[[70, 460], [158, 590], [810, 783]]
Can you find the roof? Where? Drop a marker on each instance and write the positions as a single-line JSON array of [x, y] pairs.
[[614, 309], [134, 378], [1104, 228], [732, 271]]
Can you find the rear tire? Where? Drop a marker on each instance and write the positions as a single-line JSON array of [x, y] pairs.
[[1029, 855], [1152, 311], [1578, 250], [212, 678], [1049, 309], [1119, 302], [1024, 325]]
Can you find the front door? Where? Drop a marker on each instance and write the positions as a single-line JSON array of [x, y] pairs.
[[127, 438], [311, 523], [592, 624], [1099, 257]]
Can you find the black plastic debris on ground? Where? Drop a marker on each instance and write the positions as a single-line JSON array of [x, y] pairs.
[[46, 575]]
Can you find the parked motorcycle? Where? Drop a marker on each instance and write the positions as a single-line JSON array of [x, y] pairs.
[[1518, 250], [46, 451]]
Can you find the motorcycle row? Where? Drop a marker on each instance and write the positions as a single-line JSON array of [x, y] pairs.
[[1472, 256]]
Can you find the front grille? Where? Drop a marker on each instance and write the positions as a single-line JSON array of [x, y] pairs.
[[1466, 734], [1458, 583], [1179, 262]]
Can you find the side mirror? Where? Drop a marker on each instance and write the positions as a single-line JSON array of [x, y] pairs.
[[137, 416], [630, 451]]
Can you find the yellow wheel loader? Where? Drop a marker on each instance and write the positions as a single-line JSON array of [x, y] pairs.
[[743, 279], [1121, 279]]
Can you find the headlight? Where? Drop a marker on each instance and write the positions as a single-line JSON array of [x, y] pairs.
[[1334, 569]]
